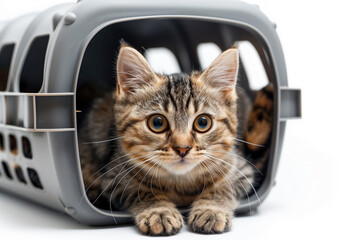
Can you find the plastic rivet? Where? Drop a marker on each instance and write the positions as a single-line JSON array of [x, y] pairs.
[[274, 25], [56, 19], [70, 210], [70, 18]]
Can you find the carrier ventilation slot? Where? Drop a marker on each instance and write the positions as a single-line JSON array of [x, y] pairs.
[[26, 147], [6, 170], [33, 70], [253, 64], [207, 53], [6, 53], [13, 145], [34, 178], [20, 174], [2, 145], [162, 60]]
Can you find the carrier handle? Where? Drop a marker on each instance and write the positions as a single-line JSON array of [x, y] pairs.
[[37, 112], [290, 103]]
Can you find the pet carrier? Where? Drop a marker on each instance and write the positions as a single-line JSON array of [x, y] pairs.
[[53, 64]]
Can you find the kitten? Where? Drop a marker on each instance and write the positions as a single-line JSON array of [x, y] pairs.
[[171, 142], [259, 127]]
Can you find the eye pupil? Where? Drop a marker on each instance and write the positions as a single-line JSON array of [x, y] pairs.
[[202, 122], [158, 122]]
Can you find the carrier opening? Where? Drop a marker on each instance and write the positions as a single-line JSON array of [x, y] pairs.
[[185, 45]]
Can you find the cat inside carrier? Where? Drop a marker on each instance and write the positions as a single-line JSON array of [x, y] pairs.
[[61, 69]]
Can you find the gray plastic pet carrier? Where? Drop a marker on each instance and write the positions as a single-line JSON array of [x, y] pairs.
[[54, 63]]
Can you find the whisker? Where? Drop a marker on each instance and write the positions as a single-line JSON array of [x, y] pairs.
[[159, 184], [103, 141], [127, 184], [209, 171], [112, 192], [93, 182], [152, 191], [112, 181], [236, 155], [243, 141], [118, 165], [117, 158], [222, 173], [228, 180], [146, 161], [252, 186], [138, 190], [205, 185], [242, 186], [117, 175]]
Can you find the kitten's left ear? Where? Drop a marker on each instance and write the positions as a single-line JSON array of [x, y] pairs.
[[223, 71]]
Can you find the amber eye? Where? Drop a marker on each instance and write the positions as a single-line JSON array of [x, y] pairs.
[[158, 123], [202, 123]]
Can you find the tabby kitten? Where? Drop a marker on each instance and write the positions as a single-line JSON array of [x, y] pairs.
[[171, 143], [259, 127]]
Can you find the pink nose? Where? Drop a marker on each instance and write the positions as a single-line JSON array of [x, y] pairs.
[[182, 150]]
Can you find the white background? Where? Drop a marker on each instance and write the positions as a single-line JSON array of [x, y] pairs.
[[317, 192]]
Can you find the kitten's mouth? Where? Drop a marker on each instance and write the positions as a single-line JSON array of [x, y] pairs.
[[180, 166], [181, 161]]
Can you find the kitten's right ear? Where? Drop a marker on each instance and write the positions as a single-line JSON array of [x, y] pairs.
[[134, 74]]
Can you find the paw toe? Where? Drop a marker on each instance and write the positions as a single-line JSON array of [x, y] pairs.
[[156, 222], [209, 221]]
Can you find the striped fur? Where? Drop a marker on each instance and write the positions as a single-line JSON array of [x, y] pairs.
[[259, 127], [143, 173]]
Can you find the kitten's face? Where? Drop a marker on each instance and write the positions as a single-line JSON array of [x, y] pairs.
[[176, 122]]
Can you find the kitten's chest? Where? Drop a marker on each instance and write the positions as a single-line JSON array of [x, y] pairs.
[[182, 193], [181, 199]]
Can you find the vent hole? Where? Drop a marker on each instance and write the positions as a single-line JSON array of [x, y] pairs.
[[253, 65], [2, 145], [162, 60], [7, 170], [33, 70], [5, 61], [207, 53], [13, 145], [34, 178], [20, 174], [26, 147]]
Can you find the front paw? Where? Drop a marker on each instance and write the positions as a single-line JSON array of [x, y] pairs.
[[159, 221], [209, 220]]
